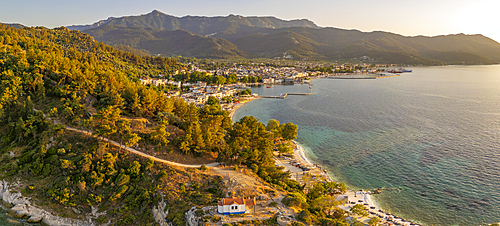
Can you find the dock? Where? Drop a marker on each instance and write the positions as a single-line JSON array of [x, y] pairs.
[[283, 96], [363, 76]]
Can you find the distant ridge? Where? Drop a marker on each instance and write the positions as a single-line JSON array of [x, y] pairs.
[[167, 42], [94, 25], [198, 24], [14, 25], [269, 37]]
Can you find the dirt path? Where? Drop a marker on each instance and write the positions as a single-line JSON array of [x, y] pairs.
[[128, 148], [140, 153]]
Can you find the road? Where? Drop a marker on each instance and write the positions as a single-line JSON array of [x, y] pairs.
[[139, 152], [131, 149]]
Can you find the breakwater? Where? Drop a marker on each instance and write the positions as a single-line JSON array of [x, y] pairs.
[[363, 76], [283, 96]]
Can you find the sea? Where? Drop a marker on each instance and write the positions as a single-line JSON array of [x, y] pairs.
[[429, 139]]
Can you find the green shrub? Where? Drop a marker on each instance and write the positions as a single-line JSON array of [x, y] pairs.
[[295, 199], [122, 179], [102, 219], [215, 219], [296, 223], [162, 175]]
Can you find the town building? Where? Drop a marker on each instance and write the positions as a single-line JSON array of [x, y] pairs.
[[234, 205]]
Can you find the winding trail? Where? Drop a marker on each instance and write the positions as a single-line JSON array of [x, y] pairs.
[[139, 152], [227, 174], [130, 149]]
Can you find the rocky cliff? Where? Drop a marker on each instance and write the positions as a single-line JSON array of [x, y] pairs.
[[21, 207]]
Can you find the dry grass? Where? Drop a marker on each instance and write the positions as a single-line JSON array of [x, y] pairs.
[[173, 154]]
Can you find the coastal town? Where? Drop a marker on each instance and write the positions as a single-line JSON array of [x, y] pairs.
[[226, 83], [232, 210], [201, 113]]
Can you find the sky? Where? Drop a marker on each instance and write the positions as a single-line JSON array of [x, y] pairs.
[[406, 17]]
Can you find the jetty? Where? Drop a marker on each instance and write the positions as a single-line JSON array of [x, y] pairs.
[[284, 95], [363, 76]]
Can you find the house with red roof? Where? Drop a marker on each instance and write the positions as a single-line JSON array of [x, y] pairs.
[[234, 205]]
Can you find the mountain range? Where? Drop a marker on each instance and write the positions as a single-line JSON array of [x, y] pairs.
[[269, 37]]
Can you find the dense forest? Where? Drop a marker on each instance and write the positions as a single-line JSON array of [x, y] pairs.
[[64, 75], [53, 78]]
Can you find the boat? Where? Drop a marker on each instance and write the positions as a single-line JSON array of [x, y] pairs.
[[268, 86], [394, 71], [399, 70]]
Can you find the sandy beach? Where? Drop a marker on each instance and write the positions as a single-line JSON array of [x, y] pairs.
[[304, 170], [349, 199], [236, 106]]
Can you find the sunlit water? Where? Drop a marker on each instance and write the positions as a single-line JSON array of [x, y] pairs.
[[430, 138]]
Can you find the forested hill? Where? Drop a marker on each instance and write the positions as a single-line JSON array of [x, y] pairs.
[[63, 74], [40, 61], [53, 78], [167, 42], [269, 37]]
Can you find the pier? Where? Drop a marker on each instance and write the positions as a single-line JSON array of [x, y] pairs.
[[363, 76], [283, 96]]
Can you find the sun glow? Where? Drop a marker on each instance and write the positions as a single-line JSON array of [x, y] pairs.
[[478, 17]]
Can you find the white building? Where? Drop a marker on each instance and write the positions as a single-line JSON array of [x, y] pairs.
[[233, 205]]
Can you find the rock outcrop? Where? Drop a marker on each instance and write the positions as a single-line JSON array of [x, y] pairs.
[[20, 207], [191, 218], [159, 212]]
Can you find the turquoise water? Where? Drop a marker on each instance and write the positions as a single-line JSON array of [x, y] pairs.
[[430, 139]]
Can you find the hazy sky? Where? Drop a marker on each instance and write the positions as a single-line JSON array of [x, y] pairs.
[[406, 17]]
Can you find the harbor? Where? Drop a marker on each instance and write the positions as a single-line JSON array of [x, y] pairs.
[[284, 95]]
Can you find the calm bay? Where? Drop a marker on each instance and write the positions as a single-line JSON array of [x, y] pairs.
[[430, 139]]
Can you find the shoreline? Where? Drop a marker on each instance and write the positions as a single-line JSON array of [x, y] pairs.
[[350, 198], [235, 107]]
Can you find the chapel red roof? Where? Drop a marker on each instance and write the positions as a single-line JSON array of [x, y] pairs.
[[239, 201]]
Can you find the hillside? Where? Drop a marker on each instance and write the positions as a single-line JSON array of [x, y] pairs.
[[197, 24], [70, 105], [83, 139], [333, 43], [238, 36], [274, 45], [54, 77], [13, 25], [166, 42]]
